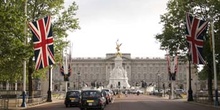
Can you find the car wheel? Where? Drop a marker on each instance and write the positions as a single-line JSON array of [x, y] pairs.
[[82, 109], [66, 105], [102, 108]]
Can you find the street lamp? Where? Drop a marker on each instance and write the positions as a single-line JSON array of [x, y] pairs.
[[23, 104], [78, 79], [158, 81], [190, 92], [49, 97], [74, 85]]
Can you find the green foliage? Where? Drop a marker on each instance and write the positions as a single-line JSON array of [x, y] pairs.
[[203, 74], [13, 50], [174, 37]]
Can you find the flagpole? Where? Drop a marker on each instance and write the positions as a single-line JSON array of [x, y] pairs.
[[214, 65], [23, 104], [190, 92], [49, 99], [66, 70], [172, 75]]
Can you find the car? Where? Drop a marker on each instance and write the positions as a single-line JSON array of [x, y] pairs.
[[140, 91], [110, 92], [72, 98], [92, 99], [179, 91], [154, 92], [107, 96]]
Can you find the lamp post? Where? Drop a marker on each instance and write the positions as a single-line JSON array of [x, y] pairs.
[[49, 97], [74, 85], [78, 80], [23, 104], [190, 92], [216, 103], [158, 81], [164, 89]]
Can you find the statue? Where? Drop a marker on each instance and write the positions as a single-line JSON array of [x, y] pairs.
[[118, 48]]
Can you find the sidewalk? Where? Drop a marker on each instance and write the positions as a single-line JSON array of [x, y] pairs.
[[22, 108], [191, 102]]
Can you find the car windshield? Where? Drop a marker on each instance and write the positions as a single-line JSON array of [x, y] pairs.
[[104, 93], [91, 94], [73, 93]]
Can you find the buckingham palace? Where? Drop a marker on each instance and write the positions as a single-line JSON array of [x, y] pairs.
[[154, 71]]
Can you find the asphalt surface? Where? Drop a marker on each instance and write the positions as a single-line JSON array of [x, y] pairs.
[[133, 102]]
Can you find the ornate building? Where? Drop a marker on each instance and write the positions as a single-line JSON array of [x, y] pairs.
[[150, 70], [85, 71]]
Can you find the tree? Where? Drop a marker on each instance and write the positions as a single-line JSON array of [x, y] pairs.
[[12, 50], [15, 51], [173, 34], [64, 20]]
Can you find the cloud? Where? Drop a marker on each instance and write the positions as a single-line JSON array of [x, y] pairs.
[[134, 22]]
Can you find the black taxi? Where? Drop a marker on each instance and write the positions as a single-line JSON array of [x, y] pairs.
[[72, 98], [92, 99]]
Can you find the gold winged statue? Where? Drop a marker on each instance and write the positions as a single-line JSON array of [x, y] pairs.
[[118, 45]]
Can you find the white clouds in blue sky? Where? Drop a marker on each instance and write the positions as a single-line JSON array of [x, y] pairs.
[[134, 22]]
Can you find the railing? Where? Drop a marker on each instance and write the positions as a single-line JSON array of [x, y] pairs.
[[204, 98], [15, 101], [6, 102]]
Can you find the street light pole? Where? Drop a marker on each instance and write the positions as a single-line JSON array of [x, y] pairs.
[[214, 65], [158, 82], [49, 98], [190, 92], [78, 80], [23, 104]]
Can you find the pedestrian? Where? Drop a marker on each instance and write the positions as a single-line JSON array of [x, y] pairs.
[[126, 93], [138, 92]]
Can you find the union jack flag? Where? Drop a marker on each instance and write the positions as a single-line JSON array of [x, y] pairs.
[[195, 30], [175, 64], [43, 42], [62, 70], [69, 70], [168, 64], [65, 75]]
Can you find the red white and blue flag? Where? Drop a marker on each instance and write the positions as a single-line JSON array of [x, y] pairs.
[[62, 70], [65, 75], [69, 70], [168, 64], [195, 31], [43, 42], [175, 64]]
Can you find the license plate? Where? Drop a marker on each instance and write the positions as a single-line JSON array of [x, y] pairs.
[[90, 101], [90, 104]]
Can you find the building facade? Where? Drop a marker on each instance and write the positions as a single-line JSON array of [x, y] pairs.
[[153, 71], [85, 71]]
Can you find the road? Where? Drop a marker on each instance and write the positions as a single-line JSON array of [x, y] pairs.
[[133, 102]]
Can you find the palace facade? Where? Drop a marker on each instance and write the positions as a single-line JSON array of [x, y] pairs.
[[153, 71], [85, 71]]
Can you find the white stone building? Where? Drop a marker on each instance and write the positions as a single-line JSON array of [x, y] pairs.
[[151, 70]]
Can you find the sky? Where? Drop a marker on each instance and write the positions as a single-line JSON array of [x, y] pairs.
[[134, 23]]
